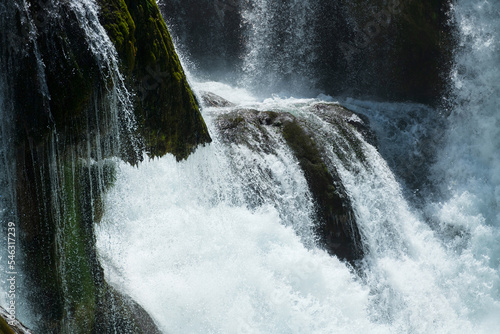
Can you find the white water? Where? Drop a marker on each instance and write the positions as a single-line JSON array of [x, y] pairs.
[[188, 243], [469, 168], [280, 48]]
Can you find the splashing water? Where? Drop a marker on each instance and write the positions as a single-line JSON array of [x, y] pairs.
[[280, 51], [183, 240], [211, 261], [108, 120], [224, 268], [469, 166], [223, 242]]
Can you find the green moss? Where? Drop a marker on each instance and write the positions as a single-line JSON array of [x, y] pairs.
[[4, 327], [335, 225], [58, 199], [120, 27], [166, 109], [319, 178], [80, 289]]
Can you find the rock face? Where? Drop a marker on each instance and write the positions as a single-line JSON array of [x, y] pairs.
[[71, 101], [336, 227], [210, 33], [391, 49], [167, 111], [399, 50]]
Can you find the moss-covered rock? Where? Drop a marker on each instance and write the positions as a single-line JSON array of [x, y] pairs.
[[336, 226], [65, 129], [68, 290], [166, 109], [11, 326]]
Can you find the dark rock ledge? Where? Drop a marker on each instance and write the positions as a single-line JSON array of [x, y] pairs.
[[336, 228]]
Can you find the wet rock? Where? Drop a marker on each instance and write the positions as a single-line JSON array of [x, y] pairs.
[[381, 49], [118, 313], [336, 226], [68, 120], [334, 112], [11, 326], [165, 107], [213, 100]]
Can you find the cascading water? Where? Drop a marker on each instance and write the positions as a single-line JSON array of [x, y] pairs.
[[118, 98], [210, 260], [469, 164], [280, 49], [236, 254], [206, 251], [224, 242]]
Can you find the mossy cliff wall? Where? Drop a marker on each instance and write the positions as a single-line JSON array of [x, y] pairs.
[[166, 108], [70, 120]]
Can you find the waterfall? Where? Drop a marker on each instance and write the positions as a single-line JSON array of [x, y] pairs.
[[235, 255], [226, 241], [118, 97], [59, 169], [229, 257], [468, 169], [280, 47], [469, 160]]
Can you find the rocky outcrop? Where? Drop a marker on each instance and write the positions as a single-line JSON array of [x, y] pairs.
[[336, 225], [73, 113], [213, 100], [166, 109]]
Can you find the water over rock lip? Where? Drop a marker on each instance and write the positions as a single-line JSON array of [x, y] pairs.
[[336, 226]]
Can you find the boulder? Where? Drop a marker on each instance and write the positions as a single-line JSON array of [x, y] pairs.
[[213, 100], [166, 108], [69, 125], [336, 226]]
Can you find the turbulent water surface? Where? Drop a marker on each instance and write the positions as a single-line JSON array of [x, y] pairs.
[[185, 241], [224, 242]]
